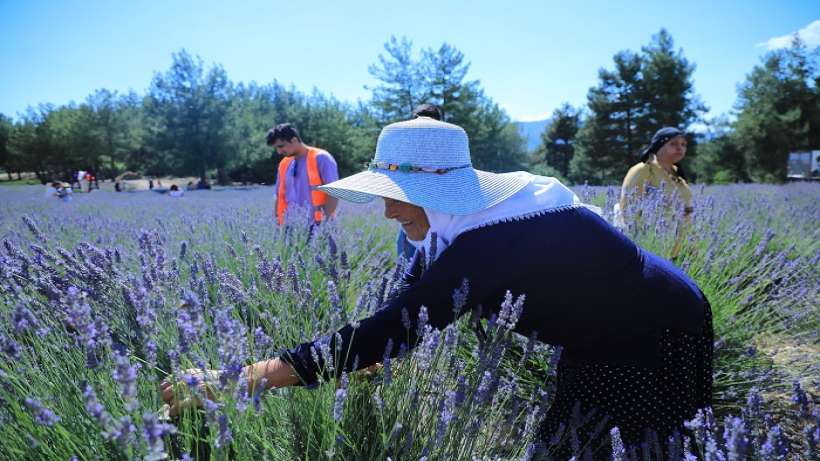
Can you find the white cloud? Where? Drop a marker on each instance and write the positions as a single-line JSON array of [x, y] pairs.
[[809, 34]]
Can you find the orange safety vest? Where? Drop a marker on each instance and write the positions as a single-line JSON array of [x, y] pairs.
[[317, 197]]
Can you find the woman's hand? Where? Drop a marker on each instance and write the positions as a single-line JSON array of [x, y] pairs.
[[273, 373], [180, 396]]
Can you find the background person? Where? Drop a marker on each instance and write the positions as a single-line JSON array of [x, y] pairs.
[[51, 189], [658, 171], [636, 331], [174, 191], [64, 191], [302, 170]]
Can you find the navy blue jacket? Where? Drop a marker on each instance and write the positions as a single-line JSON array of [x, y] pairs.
[[588, 288]]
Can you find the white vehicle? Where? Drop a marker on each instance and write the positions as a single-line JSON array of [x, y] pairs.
[[803, 166]]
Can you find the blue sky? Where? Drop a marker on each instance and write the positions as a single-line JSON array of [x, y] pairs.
[[530, 56]]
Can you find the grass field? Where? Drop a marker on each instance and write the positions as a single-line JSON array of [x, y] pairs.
[[105, 296]]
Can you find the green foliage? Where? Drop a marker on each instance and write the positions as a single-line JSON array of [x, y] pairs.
[[439, 77], [5, 133], [779, 110], [720, 159], [195, 121], [191, 108], [558, 140], [643, 93]]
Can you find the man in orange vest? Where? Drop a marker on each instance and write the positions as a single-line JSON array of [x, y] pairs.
[[299, 174]]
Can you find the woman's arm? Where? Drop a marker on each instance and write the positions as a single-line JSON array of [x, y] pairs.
[[271, 373], [397, 321]]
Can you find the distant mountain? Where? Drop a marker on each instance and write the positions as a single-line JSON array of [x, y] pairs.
[[531, 131]]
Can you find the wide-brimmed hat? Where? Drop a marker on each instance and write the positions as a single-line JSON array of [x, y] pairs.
[[427, 163]]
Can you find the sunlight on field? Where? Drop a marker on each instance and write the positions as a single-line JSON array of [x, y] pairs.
[[91, 296]]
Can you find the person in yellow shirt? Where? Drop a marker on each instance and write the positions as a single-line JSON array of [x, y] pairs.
[[658, 170]]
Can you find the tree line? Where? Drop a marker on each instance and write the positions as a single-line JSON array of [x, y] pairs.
[[194, 121], [777, 111]]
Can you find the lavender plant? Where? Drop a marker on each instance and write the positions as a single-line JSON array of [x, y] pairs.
[[105, 296]]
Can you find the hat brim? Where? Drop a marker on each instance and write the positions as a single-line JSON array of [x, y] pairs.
[[458, 192]]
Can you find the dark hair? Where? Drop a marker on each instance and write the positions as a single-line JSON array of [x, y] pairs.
[[282, 131], [661, 137], [427, 110], [174, 187]]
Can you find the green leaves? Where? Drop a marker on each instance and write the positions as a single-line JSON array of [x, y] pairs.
[[645, 91]]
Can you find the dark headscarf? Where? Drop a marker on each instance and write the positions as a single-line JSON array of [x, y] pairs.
[[661, 137]]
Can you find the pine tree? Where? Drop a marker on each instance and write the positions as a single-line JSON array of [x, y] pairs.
[[558, 139], [191, 108], [779, 110], [440, 77], [643, 93], [6, 126], [400, 88], [609, 139]]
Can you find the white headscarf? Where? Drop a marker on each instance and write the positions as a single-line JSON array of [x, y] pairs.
[[542, 195]]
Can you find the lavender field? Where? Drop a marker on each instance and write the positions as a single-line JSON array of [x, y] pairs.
[[103, 297]]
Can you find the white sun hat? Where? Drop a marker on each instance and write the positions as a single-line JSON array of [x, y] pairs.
[[426, 163]]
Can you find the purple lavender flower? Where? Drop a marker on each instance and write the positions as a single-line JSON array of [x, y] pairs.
[[9, 347], [764, 242], [618, 452], [231, 337], [528, 453], [258, 392], [331, 246], [264, 267], [339, 401], [92, 333], [530, 347], [32, 226], [405, 319], [173, 357], [95, 408], [701, 425], [190, 322], [734, 434], [294, 277], [125, 375], [153, 431], [460, 296], [378, 401], [262, 342], [183, 249], [484, 387], [336, 310], [233, 287], [423, 319], [775, 447], [427, 350], [231, 250], [42, 415], [387, 363], [675, 446], [445, 416], [752, 412], [122, 432], [151, 352], [218, 419]]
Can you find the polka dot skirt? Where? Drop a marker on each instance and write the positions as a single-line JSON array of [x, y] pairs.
[[591, 398]]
